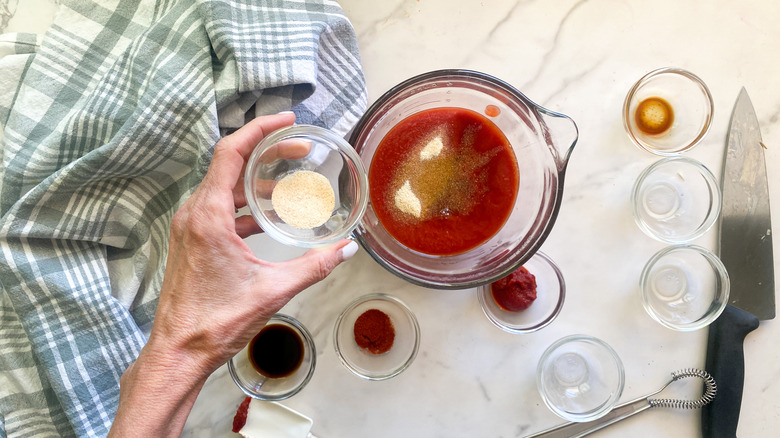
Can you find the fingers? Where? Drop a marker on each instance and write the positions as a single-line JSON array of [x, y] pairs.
[[230, 152], [239, 195], [263, 190], [245, 139], [246, 226], [314, 265], [287, 149]]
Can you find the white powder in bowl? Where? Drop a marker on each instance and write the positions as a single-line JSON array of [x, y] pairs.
[[303, 199], [407, 201], [432, 149]]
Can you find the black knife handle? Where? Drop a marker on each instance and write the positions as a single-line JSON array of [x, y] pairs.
[[726, 363]]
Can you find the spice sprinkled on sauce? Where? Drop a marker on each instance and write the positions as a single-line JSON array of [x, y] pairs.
[[432, 149], [304, 199], [374, 331], [654, 116], [443, 181], [407, 201]]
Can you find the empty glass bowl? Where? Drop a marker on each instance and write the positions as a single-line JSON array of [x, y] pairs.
[[382, 366], [580, 378], [301, 217], [262, 387], [684, 287], [550, 294], [668, 111], [676, 200]]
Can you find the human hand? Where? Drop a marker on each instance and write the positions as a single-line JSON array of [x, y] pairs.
[[216, 294]]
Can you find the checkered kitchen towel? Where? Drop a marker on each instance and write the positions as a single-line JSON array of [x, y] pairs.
[[111, 128]]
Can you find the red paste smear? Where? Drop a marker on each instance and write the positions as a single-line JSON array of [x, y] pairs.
[[240, 419], [515, 292]]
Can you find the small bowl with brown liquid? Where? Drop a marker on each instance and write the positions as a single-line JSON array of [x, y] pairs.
[[277, 363], [667, 111]]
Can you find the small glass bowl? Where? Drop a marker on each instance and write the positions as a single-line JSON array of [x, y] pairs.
[[258, 386], [676, 200], [691, 105], [304, 147], [684, 287], [377, 366], [580, 378], [551, 292]]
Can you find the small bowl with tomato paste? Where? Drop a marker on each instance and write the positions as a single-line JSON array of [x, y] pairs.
[[526, 300], [465, 178], [376, 336]]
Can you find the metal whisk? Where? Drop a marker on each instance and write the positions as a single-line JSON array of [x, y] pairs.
[[574, 430]]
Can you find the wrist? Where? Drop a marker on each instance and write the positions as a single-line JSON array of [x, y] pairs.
[[162, 355], [156, 393]]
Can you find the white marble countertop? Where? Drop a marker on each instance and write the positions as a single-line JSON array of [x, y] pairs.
[[577, 57]]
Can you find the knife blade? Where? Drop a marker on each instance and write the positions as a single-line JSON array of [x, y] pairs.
[[745, 247]]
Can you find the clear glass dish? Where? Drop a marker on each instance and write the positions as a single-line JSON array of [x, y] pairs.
[[580, 378], [256, 385], [688, 106], [292, 149], [676, 200], [542, 141], [383, 366], [684, 287], [550, 295]]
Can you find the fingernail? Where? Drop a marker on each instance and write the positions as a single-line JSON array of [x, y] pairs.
[[285, 112], [349, 250]]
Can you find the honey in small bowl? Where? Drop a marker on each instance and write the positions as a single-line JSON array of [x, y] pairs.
[[654, 116]]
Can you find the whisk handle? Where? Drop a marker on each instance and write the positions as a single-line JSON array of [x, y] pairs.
[[726, 363], [576, 430]]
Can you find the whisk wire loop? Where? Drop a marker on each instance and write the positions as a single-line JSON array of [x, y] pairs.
[[710, 389]]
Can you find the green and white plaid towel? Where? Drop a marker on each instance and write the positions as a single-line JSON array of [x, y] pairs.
[[112, 125]]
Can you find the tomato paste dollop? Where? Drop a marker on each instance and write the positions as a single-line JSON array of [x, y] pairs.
[[515, 292]]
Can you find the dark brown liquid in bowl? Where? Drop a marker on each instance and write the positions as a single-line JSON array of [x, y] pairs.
[[277, 351]]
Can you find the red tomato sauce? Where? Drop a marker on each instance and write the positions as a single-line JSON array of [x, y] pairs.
[[462, 173], [515, 292]]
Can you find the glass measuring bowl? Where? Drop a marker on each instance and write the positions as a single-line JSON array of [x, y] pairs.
[[542, 141]]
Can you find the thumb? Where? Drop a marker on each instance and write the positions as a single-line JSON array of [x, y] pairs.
[[315, 264]]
